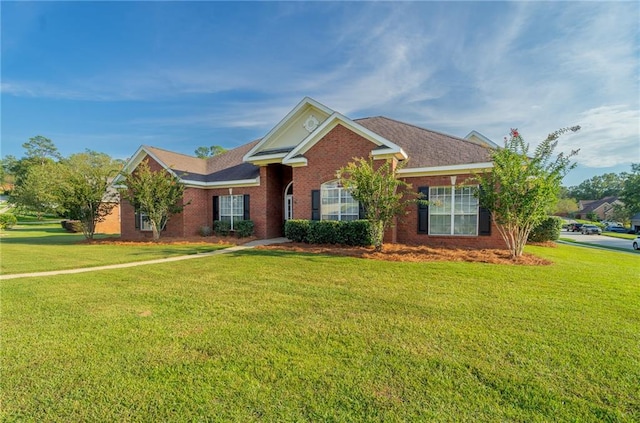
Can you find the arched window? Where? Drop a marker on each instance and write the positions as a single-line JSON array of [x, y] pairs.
[[337, 202]]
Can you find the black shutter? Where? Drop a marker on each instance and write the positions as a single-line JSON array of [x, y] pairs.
[[484, 219], [246, 207], [423, 211], [137, 219], [315, 204], [362, 213], [216, 208]]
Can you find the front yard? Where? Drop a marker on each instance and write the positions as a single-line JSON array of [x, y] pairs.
[[268, 335]]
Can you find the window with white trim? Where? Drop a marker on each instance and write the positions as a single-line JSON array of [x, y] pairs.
[[231, 209], [144, 223], [337, 202], [453, 211]]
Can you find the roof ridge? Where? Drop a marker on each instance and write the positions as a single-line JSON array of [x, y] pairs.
[[172, 152]]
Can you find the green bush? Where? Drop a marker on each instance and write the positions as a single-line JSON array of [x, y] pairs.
[[221, 227], [355, 232], [205, 231], [548, 230], [296, 230], [244, 228], [7, 221], [72, 226]]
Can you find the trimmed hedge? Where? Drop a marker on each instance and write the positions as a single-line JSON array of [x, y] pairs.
[[221, 227], [548, 230], [244, 228], [7, 221], [354, 232], [205, 231], [72, 226]]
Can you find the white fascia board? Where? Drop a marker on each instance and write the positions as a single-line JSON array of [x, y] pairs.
[[303, 103], [388, 153], [265, 159], [445, 170], [333, 121], [223, 184]]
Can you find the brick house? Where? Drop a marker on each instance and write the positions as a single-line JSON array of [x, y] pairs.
[[603, 209], [290, 173]]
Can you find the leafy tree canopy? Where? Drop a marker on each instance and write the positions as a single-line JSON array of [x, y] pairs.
[[597, 187], [522, 188], [206, 152], [157, 194]]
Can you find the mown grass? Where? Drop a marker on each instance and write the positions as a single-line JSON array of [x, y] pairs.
[[36, 248], [271, 336], [618, 235]]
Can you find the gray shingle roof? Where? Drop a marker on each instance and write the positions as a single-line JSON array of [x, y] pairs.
[[424, 147]]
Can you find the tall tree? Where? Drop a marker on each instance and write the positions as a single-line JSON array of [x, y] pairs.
[[206, 152], [630, 194], [84, 190], [599, 186], [156, 194], [38, 189], [41, 149], [521, 190], [379, 191]]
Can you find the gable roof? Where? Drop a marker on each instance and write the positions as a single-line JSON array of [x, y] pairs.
[[427, 148], [429, 152], [592, 205]]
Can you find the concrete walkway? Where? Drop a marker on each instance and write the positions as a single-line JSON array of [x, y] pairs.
[[246, 246]]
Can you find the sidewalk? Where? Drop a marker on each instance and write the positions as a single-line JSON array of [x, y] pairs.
[[246, 246]]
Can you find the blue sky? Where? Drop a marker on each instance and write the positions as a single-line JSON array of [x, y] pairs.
[[110, 76]]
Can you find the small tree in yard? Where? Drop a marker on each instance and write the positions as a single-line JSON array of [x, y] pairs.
[[83, 191], [520, 191], [157, 194], [382, 195]]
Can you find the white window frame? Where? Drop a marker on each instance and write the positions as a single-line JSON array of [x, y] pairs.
[[453, 202], [345, 208], [143, 222], [231, 209]]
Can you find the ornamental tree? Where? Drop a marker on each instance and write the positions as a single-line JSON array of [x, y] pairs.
[[521, 190], [84, 188], [381, 194], [156, 194]]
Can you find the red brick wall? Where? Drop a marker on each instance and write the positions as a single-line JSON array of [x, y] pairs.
[[407, 228], [111, 224], [335, 150]]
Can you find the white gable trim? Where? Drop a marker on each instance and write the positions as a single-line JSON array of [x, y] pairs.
[[224, 184], [136, 159], [307, 101], [331, 122], [485, 141], [445, 170]]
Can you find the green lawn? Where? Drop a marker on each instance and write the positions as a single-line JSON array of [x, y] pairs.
[[272, 336], [43, 247]]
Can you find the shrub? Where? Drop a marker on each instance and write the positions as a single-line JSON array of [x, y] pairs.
[[355, 232], [221, 227], [323, 232], [244, 228], [205, 231], [7, 221], [548, 230], [296, 230], [72, 226]]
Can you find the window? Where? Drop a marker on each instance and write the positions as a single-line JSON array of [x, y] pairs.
[[143, 222], [453, 211], [231, 208], [337, 203]]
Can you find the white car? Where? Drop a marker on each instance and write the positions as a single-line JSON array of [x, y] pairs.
[[636, 243]]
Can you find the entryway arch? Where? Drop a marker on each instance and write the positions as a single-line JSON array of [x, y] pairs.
[[288, 202]]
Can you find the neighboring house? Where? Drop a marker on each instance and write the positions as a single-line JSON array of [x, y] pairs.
[[635, 222], [290, 173], [603, 208], [111, 223]]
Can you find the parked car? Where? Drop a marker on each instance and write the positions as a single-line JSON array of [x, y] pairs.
[[636, 243], [575, 227], [616, 228], [590, 229]]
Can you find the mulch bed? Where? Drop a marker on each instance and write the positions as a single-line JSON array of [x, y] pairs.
[[391, 252], [414, 253]]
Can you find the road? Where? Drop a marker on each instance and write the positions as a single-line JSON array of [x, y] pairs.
[[599, 240]]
